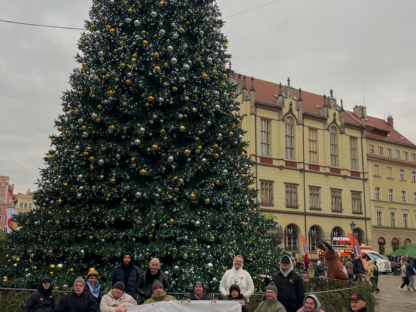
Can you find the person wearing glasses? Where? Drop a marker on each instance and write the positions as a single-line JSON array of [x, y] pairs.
[[237, 276]]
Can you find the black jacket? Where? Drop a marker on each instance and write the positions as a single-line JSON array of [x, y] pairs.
[[290, 290], [205, 296], [71, 302], [246, 307], [42, 300], [128, 275], [358, 266], [360, 310], [144, 285], [87, 289]]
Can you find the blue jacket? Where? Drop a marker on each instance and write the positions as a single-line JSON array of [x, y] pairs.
[[409, 269]]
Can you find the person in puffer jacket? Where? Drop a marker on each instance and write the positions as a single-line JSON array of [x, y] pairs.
[[117, 300], [311, 304], [159, 293], [371, 273], [237, 296], [42, 300]]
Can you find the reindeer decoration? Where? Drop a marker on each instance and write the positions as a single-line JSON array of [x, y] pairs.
[[335, 269]]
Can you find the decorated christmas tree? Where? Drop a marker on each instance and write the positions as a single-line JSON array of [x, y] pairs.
[[150, 156]]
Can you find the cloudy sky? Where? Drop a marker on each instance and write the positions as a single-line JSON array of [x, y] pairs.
[[319, 44]]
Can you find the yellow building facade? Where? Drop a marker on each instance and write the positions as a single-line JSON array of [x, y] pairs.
[[307, 154], [24, 202], [392, 181]]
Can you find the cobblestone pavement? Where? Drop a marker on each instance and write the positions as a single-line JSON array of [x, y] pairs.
[[391, 298]]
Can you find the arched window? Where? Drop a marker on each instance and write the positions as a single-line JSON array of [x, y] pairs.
[[336, 233], [358, 233], [290, 138], [291, 238], [314, 234], [334, 146]]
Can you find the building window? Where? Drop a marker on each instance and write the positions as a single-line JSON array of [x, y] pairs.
[[290, 138], [389, 152], [392, 219], [21, 205], [334, 147], [380, 150], [266, 191], [291, 238], [413, 176], [25, 205], [390, 172], [403, 197], [413, 157], [314, 234], [313, 146], [377, 193], [356, 202], [358, 233], [376, 170], [402, 175], [405, 220], [379, 218], [336, 233], [353, 153], [397, 154], [291, 196], [30, 206], [371, 149], [315, 197], [336, 200], [391, 195], [1, 198], [405, 155], [265, 137], [414, 198], [0, 218], [1, 191]]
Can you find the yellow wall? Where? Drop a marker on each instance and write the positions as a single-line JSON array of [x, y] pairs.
[[24, 203], [303, 217]]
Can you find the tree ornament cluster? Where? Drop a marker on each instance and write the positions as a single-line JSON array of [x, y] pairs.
[[149, 158]]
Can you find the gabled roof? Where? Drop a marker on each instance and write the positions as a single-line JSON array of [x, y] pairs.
[[267, 92]]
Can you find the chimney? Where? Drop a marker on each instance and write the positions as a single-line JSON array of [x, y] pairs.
[[358, 111], [252, 97], [325, 108], [244, 88], [300, 103], [390, 120], [280, 101]]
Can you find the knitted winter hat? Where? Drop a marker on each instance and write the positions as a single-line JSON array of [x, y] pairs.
[[272, 286], [199, 282], [157, 283], [235, 287], [92, 272], [80, 280], [119, 285]]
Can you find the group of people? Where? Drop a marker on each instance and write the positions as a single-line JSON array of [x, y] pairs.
[[284, 291], [408, 266]]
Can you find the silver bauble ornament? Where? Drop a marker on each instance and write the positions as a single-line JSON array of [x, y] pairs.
[[136, 23], [138, 194]]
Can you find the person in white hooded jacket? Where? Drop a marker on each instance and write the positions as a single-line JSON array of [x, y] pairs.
[[311, 304], [237, 276]]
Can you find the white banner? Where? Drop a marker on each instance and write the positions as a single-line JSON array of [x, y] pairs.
[[185, 306], [11, 225]]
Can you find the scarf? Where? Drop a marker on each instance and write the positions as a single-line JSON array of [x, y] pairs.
[[95, 290]]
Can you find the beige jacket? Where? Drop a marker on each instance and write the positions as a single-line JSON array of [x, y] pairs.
[[109, 304]]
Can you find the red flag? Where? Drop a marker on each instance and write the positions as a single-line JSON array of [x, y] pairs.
[[355, 246], [305, 245]]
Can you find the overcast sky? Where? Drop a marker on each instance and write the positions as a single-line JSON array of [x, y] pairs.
[[319, 44]]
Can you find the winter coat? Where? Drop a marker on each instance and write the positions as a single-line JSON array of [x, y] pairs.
[[42, 300], [246, 307], [83, 303], [205, 296], [349, 266], [109, 304], [144, 285], [157, 298], [319, 271], [360, 310], [270, 306], [87, 289], [241, 278], [371, 269], [128, 275], [289, 288], [317, 304], [358, 266], [306, 259], [403, 269], [409, 269]]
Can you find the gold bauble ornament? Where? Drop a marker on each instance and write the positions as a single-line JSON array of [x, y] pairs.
[[5, 279], [155, 147], [143, 172], [192, 196], [207, 201], [204, 76], [145, 43], [150, 98], [128, 81], [112, 31], [157, 69], [113, 181], [52, 266], [181, 128], [187, 152]]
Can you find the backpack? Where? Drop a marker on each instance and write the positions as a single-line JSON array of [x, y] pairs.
[[375, 273]]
